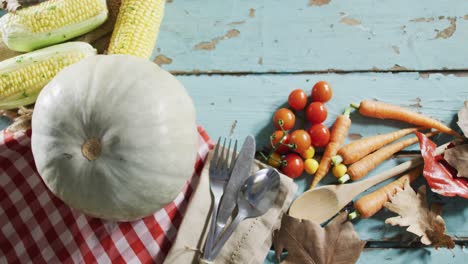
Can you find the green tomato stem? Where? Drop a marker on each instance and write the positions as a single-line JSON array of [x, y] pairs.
[[280, 143], [281, 124]]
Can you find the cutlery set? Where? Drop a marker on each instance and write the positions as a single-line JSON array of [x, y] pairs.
[[234, 190]]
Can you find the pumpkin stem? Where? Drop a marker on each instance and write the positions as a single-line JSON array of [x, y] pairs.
[[91, 149]]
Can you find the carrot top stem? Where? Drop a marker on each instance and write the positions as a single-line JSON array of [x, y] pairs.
[[347, 111], [337, 160], [353, 215], [344, 179], [354, 105]]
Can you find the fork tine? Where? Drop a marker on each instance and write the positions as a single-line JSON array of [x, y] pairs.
[[228, 152], [214, 159], [234, 157], [221, 161]]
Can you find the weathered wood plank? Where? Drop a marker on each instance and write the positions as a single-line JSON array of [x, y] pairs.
[[297, 35], [247, 103], [404, 255], [303, 36], [414, 256]]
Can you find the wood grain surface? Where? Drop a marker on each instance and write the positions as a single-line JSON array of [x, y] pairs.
[[200, 36], [239, 60]]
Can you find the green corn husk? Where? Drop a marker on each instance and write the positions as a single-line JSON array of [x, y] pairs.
[[51, 22], [23, 77]]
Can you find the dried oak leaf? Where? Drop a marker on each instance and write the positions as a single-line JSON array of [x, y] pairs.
[[457, 157], [463, 119], [414, 213], [308, 242]]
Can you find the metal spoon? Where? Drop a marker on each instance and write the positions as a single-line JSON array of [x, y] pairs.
[[256, 196]]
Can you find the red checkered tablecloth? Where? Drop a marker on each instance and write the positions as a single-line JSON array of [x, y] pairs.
[[37, 227]]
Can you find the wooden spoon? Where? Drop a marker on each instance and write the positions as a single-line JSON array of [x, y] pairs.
[[321, 204]]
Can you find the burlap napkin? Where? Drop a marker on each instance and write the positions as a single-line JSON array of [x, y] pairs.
[[248, 244]]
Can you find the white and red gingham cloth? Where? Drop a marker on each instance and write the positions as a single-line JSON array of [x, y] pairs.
[[37, 227]]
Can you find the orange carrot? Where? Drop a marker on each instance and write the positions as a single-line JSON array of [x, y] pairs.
[[358, 149], [337, 137], [381, 110], [360, 169], [371, 203]]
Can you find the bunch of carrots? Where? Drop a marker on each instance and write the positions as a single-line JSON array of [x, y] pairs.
[[365, 154]]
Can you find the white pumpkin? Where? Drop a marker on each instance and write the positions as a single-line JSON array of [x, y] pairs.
[[114, 136]]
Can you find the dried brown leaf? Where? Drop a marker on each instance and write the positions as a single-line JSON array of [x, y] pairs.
[[10, 5], [308, 242], [463, 119], [22, 121], [10, 114], [415, 214], [457, 157]]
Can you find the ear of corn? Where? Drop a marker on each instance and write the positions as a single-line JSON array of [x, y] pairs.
[[22, 77], [51, 22], [137, 28]]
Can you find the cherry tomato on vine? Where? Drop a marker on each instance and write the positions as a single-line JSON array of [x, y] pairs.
[[275, 139], [316, 112], [275, 160], [285, 116], [319, 135], [301, 140], [321, 92], [297, 99], [293, 165]]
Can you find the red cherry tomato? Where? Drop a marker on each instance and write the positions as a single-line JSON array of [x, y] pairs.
[[276, 137], [297, 99], [293, 165], [321, 92], [319, 135], [301, 140], [316, 112], [285, 116]]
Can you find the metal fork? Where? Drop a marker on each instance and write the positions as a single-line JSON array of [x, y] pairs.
[[220, 172]]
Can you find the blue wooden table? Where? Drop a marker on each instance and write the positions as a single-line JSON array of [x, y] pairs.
[[240, 59]]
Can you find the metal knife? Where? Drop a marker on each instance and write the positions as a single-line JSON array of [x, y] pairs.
[[240, 173]]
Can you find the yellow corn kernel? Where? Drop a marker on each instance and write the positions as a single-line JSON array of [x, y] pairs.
[[22, 77], [137, 28]]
